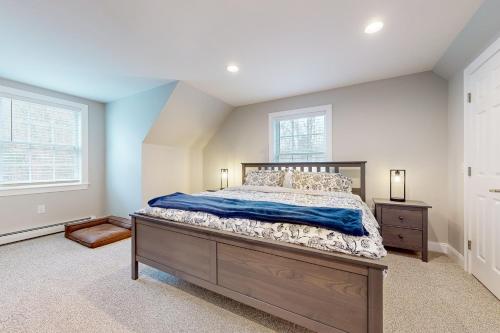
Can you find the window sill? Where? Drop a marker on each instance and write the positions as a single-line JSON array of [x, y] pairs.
[[46, 188]]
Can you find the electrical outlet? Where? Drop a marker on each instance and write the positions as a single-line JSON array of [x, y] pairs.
[[40, 209]]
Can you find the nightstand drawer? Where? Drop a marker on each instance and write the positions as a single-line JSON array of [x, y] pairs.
[[402, 238], [407, 217]]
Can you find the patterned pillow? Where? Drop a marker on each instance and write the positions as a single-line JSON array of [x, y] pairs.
[[265, 178], [322, 181]]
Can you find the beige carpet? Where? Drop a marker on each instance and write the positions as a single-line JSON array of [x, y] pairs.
[[51, 284]]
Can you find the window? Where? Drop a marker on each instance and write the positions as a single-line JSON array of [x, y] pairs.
[[43, 143], [301, 135]]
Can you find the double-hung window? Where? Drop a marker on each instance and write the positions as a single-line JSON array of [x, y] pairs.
[[301, 135], [43, 143]]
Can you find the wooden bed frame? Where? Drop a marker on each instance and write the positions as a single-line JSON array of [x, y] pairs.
[[319, 290]]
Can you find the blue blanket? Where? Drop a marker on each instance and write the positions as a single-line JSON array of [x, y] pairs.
[[345, 220]]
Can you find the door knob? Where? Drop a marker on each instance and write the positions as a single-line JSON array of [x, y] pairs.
[[495, 190]]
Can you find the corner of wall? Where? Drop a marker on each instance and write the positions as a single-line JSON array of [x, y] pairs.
[[128, 121], [172, 156]]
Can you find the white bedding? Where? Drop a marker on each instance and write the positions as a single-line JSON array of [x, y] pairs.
[[319, 238]]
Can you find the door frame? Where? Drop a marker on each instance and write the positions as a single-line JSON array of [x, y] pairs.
[[487, 54]]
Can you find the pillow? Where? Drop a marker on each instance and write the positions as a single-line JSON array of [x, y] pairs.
[[321, 181], [265, 178]]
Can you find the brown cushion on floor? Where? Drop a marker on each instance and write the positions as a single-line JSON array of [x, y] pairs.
[[99, 235]]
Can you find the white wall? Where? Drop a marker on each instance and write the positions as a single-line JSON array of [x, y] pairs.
[[172, 156], [456, 166], [170, 169], [20, 212], [394, 123], [128, 121]]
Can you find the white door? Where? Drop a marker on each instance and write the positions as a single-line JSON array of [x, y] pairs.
[[483, 155]]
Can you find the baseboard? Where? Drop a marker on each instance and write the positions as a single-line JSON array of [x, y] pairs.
[[30, 234], [449, 250], [456, 256], [438, 247], [21, 235]]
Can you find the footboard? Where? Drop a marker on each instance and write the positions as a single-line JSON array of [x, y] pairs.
[[322, 291]]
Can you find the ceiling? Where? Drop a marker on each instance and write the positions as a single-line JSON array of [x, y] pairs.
[[108, 49], [481, 31]]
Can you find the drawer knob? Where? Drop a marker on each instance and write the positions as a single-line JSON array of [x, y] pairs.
[[401, 218], [400, 236]]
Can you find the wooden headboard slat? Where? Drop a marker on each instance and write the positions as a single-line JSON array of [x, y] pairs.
[[317, 167]]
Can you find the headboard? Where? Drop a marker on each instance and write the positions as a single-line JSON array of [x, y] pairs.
[[347, 168]]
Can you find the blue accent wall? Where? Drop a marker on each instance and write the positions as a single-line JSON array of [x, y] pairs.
[[128, 121]]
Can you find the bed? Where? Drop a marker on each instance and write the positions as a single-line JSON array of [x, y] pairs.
[[307, 281]]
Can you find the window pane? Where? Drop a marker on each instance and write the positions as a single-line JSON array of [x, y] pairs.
[[318, 124], [300, 139], [41, 132], [300, 126], [285, 128], [14, 163], [42, 160], [286, 145], [4, 119], [20, 121], [66, 164], [317, 142], [300, 144], [45, 144]]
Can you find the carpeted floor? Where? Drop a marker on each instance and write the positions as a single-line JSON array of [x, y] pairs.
[[51, 284]]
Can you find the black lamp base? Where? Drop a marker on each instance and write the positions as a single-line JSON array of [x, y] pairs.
[[398, 199]]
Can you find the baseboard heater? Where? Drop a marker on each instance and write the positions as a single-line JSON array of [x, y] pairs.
[[20, 235]]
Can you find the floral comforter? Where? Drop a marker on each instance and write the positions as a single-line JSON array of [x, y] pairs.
[[319, 238]]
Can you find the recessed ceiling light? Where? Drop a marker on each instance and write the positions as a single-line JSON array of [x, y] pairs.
[[232, 68], [374, 27]]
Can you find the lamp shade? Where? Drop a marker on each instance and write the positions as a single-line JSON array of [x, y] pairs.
[[398, 185], [224, 178]]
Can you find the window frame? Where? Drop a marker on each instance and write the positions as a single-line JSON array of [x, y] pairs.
[[83, 184], [299, 113]]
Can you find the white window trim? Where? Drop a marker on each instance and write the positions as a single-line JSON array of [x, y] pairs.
[[306, 112], [52, 187]]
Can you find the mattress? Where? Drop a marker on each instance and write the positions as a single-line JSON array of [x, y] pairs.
[[369, 246]]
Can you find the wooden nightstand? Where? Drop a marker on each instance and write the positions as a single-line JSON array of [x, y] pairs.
[[403, 224]]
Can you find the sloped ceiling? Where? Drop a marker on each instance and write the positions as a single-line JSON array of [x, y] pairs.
[[108, 49], [482, 30], [189, 118]]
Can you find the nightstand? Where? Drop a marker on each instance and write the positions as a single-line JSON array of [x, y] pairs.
[[403, 224]]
